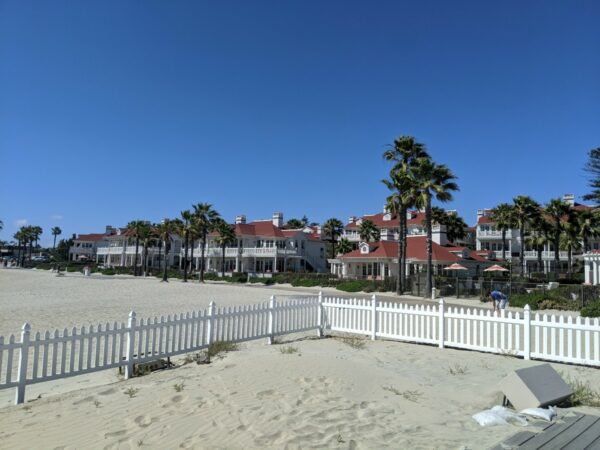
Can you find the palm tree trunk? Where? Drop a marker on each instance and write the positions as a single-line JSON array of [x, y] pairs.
[[223, 262], [404, 245], [135, 259], [165, 272], [185, 257], [503, 244], [556, 254], [429, 283], [539, 258], [54, 244], [400, 255], [145, 258], [522, 252], [203, 243], [570, 255]]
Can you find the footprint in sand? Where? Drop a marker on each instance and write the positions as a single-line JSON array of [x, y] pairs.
[[143, 421], [84, 400], [115, 434], [108, 392], [265, 394], [177, 399]]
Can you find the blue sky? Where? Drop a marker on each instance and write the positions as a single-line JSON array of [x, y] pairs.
[[119, 110]]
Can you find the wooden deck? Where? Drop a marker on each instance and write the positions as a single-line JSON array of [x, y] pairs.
[[575, 432]]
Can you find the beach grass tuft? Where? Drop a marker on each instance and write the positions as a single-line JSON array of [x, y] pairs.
[[131, 392], [457, 369]]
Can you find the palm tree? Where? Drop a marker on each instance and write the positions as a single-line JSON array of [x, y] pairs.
[[294, 224], [186, 217], [368, 231], [146, 234], [588, 224], [539, 239], [134, 228], [205, 217], [504, 217], [526, 212], [226, 236], [18, 236], [431, 180], [455, 226], [557, 210], [403, 154], [569, 241], [332, 228], [56, 231], [344, 246], [165, 230]]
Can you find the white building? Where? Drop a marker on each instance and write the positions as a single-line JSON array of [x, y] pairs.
[[489, 238], [264, 247]]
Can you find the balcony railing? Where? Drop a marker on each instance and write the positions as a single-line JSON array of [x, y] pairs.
[[245, 252], [493, 234], [546, 254]]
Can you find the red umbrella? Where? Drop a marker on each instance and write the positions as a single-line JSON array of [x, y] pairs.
[[455, 266], [496, 268]]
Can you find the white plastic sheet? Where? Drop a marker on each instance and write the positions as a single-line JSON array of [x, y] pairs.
[[499, 415], [540, 413]]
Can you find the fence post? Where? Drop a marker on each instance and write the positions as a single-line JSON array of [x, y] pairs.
[[23, 356], [373, 317], [527, 332], [320, 315], [433, 293], [130, 343], [271, 320], [210, 322], [441, 324]]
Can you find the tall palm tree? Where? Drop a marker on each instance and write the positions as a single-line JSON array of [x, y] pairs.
[[526, 213], [539, 239], [557, 211], [431, 180], [146, 234], [18, 236], [56, 231], [344, 246], [403, 154], [226, 236], [504, 217], [332, 228], [134, 229], [456, 227], [569, 241], [165, 231], [589, 226], [368, 231], [205, 217], [186, 217]]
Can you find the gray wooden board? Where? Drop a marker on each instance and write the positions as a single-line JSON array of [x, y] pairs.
[[576, 432], [573, 433]]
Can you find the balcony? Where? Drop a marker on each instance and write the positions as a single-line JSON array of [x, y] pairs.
[[546, 254], [246, 252], [494, 234]]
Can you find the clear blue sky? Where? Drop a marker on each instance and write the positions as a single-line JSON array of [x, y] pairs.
[[119, 110]]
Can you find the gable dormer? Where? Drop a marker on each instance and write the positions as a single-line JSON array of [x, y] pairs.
[[364, 248]]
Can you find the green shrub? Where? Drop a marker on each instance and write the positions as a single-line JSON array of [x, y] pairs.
[[592, 310], [550, 299]]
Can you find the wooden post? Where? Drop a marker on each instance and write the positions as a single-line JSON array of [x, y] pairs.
[[271, 320], [527, 332], [441, 324], [320, 330], [210, 323], [433, 293], [373, 317], [23, 356], [130, 343]]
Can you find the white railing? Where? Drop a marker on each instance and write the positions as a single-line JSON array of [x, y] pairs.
[[51, 356], [109, 250], [546, 254], [493, 234], [244, 252], [57, 355]]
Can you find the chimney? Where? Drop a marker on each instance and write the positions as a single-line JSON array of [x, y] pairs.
[[352, 219], [241, 219], [569, 199], [318, 229], [278, 219], [109, 229]]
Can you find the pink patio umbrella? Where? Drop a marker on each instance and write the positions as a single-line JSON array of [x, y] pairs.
[[495, 268], [456, 267]]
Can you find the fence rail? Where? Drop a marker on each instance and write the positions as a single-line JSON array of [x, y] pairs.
[[51, 356]]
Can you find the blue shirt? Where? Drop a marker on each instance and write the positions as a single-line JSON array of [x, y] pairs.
[[497, 295]]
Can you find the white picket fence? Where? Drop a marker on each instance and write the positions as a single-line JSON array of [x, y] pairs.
[[51, 356]]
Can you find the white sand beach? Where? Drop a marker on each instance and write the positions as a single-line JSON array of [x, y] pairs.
[[323, 394]]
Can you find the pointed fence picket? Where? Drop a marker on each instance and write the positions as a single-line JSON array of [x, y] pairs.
[[54, 355]]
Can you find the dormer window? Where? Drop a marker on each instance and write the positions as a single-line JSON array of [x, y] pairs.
[[387, 216], [364, 249]]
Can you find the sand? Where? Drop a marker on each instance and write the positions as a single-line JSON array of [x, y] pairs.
[[323, 394]]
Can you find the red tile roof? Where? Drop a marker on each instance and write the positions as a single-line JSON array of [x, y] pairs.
[[484, 219], [416, 250], [94, 237], [378, 220]]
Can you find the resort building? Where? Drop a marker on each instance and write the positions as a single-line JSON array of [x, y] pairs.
[[489, 238], [387, 224], [264, 247], [85, 246], [378, 260]]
